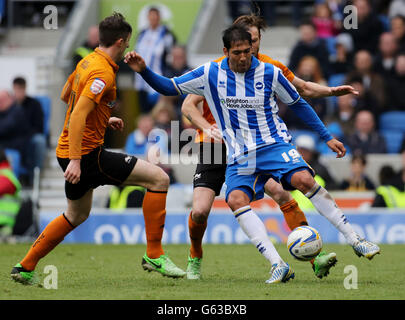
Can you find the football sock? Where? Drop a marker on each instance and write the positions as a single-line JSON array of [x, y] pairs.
[[154, 214], [293, 214], [196, 231], [327, 207], [256, 232], [53, 234]]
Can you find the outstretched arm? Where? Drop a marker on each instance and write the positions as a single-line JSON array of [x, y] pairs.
[[310, 89], [161, 84]]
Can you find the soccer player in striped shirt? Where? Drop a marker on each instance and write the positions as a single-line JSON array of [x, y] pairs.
[[210, 173], [241, 92]]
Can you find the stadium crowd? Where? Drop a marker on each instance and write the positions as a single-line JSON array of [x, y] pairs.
[[371, 58]]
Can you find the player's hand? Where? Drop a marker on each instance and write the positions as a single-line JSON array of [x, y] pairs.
[[72, 172], [343, 90], [213, 133], [135, 61], [116, 123], [337, 147]]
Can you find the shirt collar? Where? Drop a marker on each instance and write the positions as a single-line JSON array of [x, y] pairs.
[[255, 63], [108, 58]]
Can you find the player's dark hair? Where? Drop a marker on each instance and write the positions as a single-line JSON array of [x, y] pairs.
[[113, 28], [155, 9], [20, 81], [251, 20], [235, 33]]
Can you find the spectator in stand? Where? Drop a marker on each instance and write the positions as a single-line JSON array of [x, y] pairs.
[[307, 148], [365, 98], [177, 66], [310, 45], [336, 7], [309, 70], [88, 46], [398, 30], [384, 62], [395, 86], [35, 153], [390, 193], [396, 8], [358, 180], [366, 139], [154, 43], [326, 26], [342, 61], [370, 27], [163, 114], [344, 114], [10, 200], [14, 131], [137, 141], [372, 82]]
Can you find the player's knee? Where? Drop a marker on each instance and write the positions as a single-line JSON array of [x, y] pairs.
[[276, 191], [76, 218], [161, 181], [199, 214], [303, 181], [237, 199]]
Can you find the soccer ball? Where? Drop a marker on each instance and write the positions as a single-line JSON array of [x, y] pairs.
[[304, 243]]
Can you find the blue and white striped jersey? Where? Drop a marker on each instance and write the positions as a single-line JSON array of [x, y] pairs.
[[244, 105]]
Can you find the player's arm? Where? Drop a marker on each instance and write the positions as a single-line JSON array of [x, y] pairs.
[[77, 125], [161, 84], [190, 109], [310, 89], [287, 94], [190, 82], [67, 89]]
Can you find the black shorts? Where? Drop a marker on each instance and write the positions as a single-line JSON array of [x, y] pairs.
[[98, 168], [210, 171]]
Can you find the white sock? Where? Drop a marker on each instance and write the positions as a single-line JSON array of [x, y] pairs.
[[254, 228], [327, 207]]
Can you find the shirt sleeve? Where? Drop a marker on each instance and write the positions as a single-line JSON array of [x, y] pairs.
[[97, 85], [191, 82], [284, 90]]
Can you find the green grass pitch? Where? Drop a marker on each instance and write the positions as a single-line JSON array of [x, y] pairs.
[[230, 272]]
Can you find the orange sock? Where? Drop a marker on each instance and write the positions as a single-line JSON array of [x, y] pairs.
[[293, 215], [154, 214], [196, 231], [53, 234]]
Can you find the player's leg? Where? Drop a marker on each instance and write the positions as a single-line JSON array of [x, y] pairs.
[[156, 181], [324, 203], [295, 217], [203, 198], [53, 234], [239, 200]]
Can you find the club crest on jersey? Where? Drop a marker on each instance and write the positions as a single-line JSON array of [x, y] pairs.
[[259, 85], [97, 86]]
